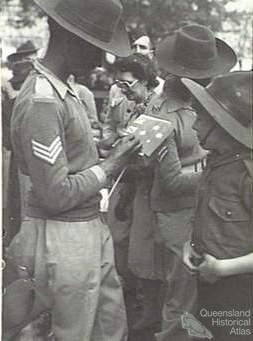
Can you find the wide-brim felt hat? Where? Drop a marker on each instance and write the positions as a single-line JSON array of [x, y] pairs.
[[98, 22], [228, 100], [22, 51], [194, 52]]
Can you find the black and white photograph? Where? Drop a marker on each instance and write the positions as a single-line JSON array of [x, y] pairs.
[[126, 170]]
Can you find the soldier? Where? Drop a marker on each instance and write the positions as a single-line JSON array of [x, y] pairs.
[[222, 228], [62, 242], [193, 52]]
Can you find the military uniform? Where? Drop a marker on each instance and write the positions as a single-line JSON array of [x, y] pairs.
[[223, 227], [62, 240], [177, 172]]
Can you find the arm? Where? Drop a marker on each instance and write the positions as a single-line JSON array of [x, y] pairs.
[[212, 268], [58, 189], [170, 170], [117, 107], [235, 266]]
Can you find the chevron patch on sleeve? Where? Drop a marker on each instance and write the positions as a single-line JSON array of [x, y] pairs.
[[48, 153], [162, 153]]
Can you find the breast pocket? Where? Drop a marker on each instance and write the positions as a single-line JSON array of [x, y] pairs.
[[227, 210], [232, 221]]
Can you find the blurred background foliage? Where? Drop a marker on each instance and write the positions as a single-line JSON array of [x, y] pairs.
[[157, 17], [160, 17]]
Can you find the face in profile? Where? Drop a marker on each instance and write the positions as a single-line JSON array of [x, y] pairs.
[[205, 127], [82, 56], [133, 88]]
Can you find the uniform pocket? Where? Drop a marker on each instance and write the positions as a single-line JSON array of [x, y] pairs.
[[229, 224], [228, 210]]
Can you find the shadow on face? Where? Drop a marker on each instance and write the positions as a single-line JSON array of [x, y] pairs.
[[81, 56]]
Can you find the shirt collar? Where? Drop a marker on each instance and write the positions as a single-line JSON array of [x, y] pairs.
[[59, 86], [215, 159], [170, 103]]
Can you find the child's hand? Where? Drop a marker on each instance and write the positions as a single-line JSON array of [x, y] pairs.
[[187, 256], [208, 269]]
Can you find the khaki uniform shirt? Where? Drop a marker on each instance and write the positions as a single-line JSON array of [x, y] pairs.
[[52, 141]]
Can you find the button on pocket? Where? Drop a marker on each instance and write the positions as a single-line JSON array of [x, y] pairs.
[[228, 210]]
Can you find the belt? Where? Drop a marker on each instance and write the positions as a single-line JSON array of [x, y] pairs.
[[194, 168]]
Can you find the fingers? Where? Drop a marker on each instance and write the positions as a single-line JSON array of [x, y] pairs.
[[130, 143], [187, 254], [127, 138], [190, 267], [137, 148], [122, 132]]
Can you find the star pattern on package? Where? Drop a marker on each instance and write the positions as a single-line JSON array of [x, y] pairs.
[[151, 132]]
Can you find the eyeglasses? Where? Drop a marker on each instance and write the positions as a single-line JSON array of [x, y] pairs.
[[126, 85]]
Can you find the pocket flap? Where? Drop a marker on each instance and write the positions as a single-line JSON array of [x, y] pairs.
[[228, 210]]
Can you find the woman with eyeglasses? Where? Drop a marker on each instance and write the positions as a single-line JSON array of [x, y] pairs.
[[131, 220], [134, 86]]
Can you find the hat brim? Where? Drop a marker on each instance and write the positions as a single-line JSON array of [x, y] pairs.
[[17, 55], [225, 60], [119, 45], [219, 114]]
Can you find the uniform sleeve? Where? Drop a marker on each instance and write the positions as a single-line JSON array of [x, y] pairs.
[[43, 146], [170, 170]]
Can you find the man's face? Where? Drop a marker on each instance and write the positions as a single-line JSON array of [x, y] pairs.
[[81, 56], [205, 128], [143, 46]]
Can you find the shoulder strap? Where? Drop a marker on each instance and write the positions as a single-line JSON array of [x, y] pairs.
[[43, 90]]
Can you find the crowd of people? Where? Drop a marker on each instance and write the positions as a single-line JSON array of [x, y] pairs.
[[102, 241]]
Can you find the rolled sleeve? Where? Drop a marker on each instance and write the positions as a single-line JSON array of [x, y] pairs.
[[100, 174]]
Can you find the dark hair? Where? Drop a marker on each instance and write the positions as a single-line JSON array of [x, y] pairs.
[[141, 67], [175, 87]]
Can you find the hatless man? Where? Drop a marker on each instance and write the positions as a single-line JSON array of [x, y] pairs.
[[63, 241]]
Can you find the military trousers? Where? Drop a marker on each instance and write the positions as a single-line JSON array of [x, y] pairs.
[[76, 261], [181, 291]]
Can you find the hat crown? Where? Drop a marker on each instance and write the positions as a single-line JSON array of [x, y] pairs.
[[233, 91], [195, 45], [97, 18], [194, 52]]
